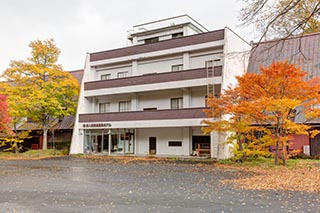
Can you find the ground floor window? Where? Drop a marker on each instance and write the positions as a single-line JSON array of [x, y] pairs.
[[119, 141]]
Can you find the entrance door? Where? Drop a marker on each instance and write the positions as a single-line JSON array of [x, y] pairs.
[[152, 145]]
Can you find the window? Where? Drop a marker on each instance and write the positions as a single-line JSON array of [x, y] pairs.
[[217, 71], [177, 35], [217, 90], [177, 67], [175, 143], [148, 109], [104, 107], [151, 40], [106, 77], [122, 74], [176, 103], [209, 63], [30, 120], [124, 106]]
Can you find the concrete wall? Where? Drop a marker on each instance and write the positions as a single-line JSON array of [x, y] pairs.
[[199, 60], [157, 99], [113, 71], [159, 65], [163, 135]]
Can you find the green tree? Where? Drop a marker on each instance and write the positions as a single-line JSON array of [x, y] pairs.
[[43, 89], [266, 103]]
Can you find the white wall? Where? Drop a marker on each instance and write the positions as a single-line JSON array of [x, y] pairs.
[[157, 99], [198, 96], [159, 65], [164, 35], [113, 100], [160, 100], [199, 60], [163, 135], [236, 53], [113, 71]]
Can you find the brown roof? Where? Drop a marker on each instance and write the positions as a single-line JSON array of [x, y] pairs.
[[304, 51], [64, 124], [161, 45], [78, 74]]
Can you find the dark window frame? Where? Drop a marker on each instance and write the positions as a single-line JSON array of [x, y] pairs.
[[174, 143]]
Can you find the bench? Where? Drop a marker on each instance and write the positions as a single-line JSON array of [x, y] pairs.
[[203, 149]]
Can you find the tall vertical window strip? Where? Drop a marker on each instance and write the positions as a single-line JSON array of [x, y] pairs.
[[176, 103], [104, 107], [122, 74], [124, 106]]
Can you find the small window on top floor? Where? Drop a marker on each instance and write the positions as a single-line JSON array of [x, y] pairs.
[[176, 103], [104, 107], [177, 67], [106, 77], [177, 35], [122, 74], [151, 40]]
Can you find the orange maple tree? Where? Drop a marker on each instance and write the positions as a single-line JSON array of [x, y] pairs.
[[276, 103], [4, 116]]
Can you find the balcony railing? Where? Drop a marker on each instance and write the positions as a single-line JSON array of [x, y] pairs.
[[189, 113], [148, 79]]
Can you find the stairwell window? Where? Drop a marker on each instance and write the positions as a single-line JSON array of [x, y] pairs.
[[217, 90], [176, 103], [217, 71], [122, 74], [124, 106], [104, 107], [177, 67]]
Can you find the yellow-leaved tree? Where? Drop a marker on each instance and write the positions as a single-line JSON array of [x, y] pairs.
[[266, 103], [38, 88]]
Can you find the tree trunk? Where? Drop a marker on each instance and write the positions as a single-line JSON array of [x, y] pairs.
[[15, 144], [284, 154], [276, 156], [45, 139]]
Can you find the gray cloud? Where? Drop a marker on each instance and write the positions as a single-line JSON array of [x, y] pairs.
[[80, 26]]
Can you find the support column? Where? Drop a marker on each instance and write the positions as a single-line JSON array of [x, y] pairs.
[[134, 102], [134, 69], [214, 146], [186, 141], [110, 138], [186, 97], [186, 61]]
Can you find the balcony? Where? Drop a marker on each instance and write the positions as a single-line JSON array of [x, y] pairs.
[[212, 36], [168, 114], [149, 79]]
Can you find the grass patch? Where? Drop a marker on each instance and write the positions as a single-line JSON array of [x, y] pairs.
[[269, 163], [32, 154]]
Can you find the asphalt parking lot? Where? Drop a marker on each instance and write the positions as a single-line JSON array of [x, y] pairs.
[[81, 185]]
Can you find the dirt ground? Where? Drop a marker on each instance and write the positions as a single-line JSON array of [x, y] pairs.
[[71, 184]]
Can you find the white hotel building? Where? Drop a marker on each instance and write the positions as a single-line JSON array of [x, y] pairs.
[[148, 98]]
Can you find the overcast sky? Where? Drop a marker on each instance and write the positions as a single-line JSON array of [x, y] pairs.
[[80, 26]]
